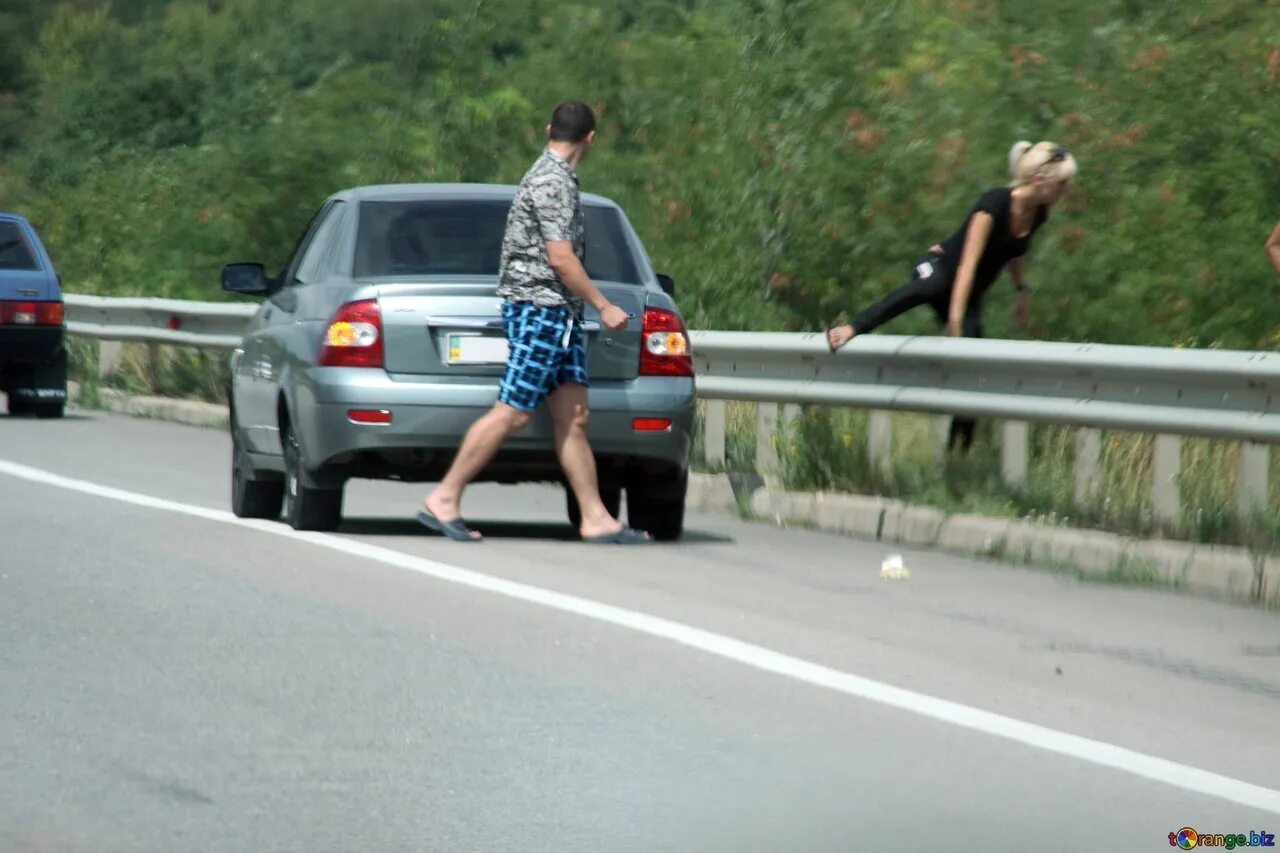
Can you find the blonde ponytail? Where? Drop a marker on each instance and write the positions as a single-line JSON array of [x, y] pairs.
[[1016, 154]]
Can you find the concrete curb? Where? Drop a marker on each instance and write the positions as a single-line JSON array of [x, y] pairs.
[[1211, 571], [190, 412]]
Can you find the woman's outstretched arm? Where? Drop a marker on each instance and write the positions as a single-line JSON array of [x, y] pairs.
[[975, 242]]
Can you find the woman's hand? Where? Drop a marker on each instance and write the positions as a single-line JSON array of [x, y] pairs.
[[839, 336]]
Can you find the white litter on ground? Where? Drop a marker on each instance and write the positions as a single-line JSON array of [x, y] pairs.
[[893, 569]]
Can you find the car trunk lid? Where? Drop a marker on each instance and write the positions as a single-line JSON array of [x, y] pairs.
[[18, 285], [454, 329]]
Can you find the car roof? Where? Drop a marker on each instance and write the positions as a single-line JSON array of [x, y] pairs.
[[448, 192], [11, 217]]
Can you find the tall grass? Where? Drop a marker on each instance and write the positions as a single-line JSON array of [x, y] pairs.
[[826, 449], [164, 371]]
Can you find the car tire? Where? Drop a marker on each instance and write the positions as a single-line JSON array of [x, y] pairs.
[[251, 498], [50, 410], [17, 407], [305, 507], [656, 504], [610, 494]]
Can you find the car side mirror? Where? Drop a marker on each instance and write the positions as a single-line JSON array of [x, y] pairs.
[[668, 285], [246, 279]]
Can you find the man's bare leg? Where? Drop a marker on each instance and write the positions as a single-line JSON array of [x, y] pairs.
[[570, 414], [478, 447]]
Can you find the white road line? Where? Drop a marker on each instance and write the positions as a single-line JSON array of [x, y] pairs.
[[757, 657]]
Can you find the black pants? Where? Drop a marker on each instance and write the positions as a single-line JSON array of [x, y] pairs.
[[930, 285]]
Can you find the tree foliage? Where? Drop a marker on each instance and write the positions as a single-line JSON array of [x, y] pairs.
[[784, 160]]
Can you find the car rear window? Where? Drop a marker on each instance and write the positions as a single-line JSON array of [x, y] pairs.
[[464, 237], [15, 254]]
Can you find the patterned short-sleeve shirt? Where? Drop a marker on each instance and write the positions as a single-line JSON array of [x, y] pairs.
[[547, 206]]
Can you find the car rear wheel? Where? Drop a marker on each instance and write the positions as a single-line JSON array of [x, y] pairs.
[[610, 494], [18, 407], [305, 507], [656, 504], [251, 498], [51, 410]]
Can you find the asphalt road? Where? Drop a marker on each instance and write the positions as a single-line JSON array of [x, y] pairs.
[[171, 680]]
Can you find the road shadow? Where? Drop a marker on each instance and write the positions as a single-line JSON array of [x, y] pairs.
[[501, 530], [69, 416]]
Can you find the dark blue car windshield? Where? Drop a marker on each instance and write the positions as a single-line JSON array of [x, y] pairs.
[[464, 237], [15, 254]]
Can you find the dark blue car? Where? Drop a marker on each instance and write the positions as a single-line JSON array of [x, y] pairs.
[[33, 359]]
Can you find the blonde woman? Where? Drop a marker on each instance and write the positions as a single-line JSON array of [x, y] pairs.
[[953, 277]]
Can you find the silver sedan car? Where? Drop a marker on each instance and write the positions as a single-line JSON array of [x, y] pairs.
[[380, 342]]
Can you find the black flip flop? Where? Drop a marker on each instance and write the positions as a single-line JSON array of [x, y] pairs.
[[623, 536], [454, 529]]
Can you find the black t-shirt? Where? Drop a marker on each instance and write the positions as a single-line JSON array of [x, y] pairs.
[[1002, 246]]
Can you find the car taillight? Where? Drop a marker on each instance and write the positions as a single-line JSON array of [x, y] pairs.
[[31, 313], [354, 336], [664, 345]]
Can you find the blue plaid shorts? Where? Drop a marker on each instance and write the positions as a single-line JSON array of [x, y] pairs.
[[545, 353]]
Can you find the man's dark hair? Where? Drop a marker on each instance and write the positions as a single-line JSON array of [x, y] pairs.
[[571, 122]]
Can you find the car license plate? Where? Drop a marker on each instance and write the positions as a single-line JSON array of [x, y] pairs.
[[477, 349]]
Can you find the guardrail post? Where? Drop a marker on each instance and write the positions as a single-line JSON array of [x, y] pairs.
[[1087, 466], [880, 441], [110, 354], [766, 441], [940, 436], [1255, 465], [713, 433], [1166, 497], [790, 414], [154, 356], [1014, 439]]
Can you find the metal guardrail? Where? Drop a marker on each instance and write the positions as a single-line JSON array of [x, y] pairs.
[[1212, 393], [180, 322]]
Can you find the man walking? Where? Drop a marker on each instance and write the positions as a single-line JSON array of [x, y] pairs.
[[544, 285]]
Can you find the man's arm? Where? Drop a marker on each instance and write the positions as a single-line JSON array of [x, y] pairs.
[[554, 202], [1273, 248], [573, 274]]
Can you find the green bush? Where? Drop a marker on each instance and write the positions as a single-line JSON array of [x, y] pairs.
[[783, 159]]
